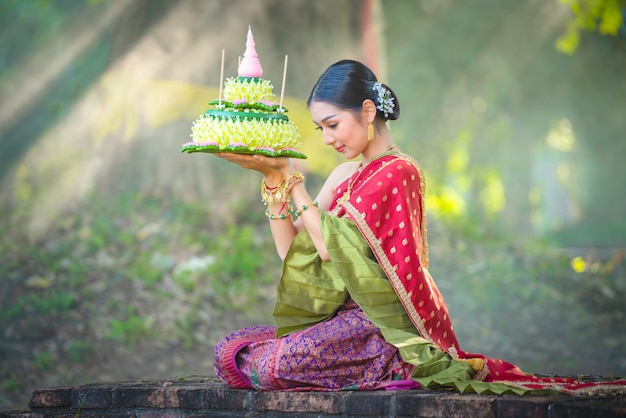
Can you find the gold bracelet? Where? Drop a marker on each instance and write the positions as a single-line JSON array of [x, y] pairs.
[[294, 178], [280, 193], [273, 194]]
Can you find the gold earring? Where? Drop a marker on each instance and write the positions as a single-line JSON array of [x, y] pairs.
[[370, 131]]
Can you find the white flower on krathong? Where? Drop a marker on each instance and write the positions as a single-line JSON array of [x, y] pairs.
[[385, 101], [251, 132], [252, 91]]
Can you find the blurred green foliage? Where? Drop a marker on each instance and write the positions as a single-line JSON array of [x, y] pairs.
[[603, 16], [79, 351], [535, 303], [129, 329], [509, 131], [133, 269], [39, 20]]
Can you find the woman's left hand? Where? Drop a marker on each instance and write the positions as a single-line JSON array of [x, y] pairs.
[[261, 163]]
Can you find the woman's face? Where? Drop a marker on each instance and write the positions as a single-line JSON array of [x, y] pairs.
[[342, 129]]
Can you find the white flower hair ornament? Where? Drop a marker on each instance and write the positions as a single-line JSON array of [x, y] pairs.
[[384, 101]]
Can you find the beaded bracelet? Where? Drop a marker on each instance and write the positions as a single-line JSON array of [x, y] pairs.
[[305, 207], [273, 217], [281, 215]]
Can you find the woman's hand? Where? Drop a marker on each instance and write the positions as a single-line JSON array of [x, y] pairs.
[[268, 166]]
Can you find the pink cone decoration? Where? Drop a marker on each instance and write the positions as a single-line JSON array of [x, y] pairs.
[[250, 65]]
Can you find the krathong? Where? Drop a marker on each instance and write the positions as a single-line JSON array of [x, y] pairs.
[[246, 119]]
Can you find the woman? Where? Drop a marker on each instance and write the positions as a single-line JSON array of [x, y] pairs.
[[356, 308]]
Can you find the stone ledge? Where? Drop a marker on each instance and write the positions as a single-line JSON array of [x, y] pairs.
[[207, 397]]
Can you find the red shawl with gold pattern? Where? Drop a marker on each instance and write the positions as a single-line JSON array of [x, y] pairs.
[[386, 202]]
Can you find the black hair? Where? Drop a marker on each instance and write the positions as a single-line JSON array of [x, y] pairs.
[[347, 83]]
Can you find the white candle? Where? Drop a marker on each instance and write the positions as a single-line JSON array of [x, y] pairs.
[[282, 91], [221, 80]]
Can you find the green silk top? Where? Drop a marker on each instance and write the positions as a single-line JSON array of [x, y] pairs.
[[312, 290]]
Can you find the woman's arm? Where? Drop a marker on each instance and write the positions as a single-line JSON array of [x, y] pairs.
[[282, 226], [281, 223], [309, 213]]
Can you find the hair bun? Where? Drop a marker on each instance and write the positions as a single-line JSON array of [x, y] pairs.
[[347, 83]]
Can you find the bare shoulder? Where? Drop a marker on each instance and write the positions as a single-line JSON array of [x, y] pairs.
[[342, 172], [335, 178]]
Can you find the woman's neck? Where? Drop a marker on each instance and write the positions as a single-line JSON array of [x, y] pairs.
[[381, 144]]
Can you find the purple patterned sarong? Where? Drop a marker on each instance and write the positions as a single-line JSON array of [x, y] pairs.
[[346, 352]]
